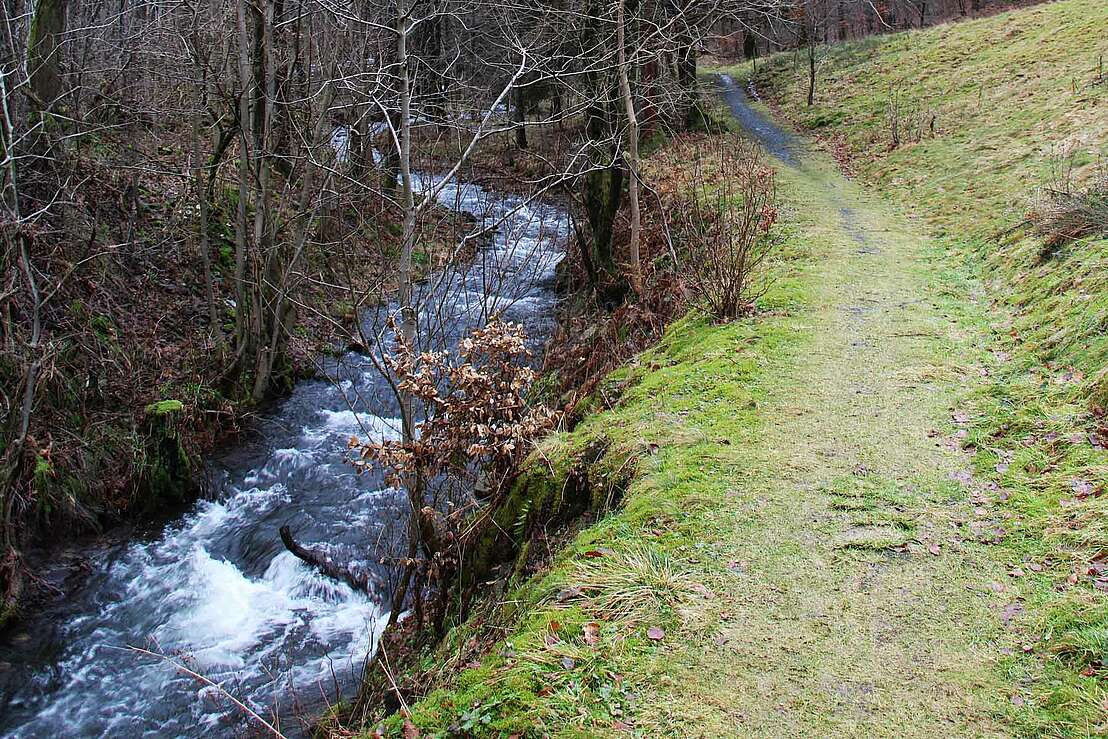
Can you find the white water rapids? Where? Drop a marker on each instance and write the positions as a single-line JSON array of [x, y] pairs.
[[215, 588]]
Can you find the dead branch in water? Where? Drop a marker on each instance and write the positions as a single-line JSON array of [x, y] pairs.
[[359, 581]]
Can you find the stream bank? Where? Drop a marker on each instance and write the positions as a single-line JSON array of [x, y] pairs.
[[787, 557], [215, 588]]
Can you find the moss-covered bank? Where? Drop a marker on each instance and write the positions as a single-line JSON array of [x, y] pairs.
[[800, 549]]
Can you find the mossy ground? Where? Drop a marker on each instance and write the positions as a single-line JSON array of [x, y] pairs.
[[802, 530], [805, 527]]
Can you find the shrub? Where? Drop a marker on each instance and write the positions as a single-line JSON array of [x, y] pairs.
[[477, 417], [725, 226], [477, 425], [1066, 210]]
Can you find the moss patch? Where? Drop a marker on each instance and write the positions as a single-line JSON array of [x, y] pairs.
[[168, 472]]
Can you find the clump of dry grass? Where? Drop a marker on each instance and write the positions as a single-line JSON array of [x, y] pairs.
[[1066, 211], [632, 585]]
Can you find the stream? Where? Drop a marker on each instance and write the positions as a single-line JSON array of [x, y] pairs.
[[215, 588]]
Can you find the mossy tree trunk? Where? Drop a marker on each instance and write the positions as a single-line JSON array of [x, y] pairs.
[[168, 472], [602, 190]]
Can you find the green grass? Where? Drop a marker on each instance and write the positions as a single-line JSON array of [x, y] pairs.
[[797, 513], [1009, 93], [700, 385], [1015, 98], [1011, 96]]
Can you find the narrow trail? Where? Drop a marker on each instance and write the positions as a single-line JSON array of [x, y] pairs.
[[859, 606]]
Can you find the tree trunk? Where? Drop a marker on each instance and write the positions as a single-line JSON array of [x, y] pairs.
[[358, 581], [200, 185], [266, 256], [408, 316], [43, 53], [519, 116], [632, 152], [811, 73], [242, 239], [690, 114]]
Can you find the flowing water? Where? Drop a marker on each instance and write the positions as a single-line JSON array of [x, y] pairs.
[[215, 587]]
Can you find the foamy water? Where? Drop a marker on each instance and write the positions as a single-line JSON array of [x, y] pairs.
[[216, 590]]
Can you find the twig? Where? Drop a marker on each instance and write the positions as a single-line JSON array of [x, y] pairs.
[[197, 676]]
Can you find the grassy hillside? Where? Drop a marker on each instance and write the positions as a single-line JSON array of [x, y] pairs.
[[1015, 99], [794, 540], [792, 545], [566, 642]]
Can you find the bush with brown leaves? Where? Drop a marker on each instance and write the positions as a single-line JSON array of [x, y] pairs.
[[477, 417]]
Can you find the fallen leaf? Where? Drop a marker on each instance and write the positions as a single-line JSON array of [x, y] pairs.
[[1001, 467], [1016, 700], [409, 730], [568, 594], [1015, 572], [555, 626], [568, 663], [934, 549], [655, 633], [1010, 611], [591, 632]]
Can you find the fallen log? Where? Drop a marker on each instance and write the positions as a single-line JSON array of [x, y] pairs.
[[358, 580]]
